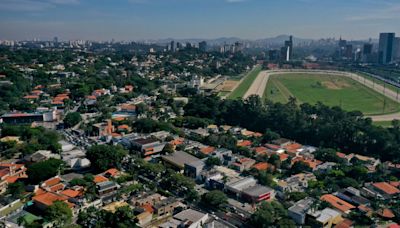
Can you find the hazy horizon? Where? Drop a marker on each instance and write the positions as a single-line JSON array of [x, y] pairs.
[[137, 20]]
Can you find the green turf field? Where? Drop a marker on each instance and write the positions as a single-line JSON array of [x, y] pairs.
[[385, 124], [246, 83], [330, 90]]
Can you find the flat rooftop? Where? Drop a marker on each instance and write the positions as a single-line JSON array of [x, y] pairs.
[[179, 158]]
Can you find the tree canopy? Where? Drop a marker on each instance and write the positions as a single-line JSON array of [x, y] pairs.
[[104, 157]]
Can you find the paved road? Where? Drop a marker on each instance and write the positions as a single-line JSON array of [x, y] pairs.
[[259, 85]]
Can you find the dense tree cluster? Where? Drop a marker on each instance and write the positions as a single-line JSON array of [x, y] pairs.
[[34, 139], [104, 157], [44, 170], [317, 125]]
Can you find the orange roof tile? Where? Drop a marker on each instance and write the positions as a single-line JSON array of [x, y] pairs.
[[293, 146], [112, 172], [12, 179], [260, 150], [341, 155], [339, 204], [148, 208], [262, 166], [119, 118], [386, 188], [71, 193], [346, 223], [207, 150], [123, 127], [244, 143], [52, 181], [395, 183], [57, 187], [283, 157], [48, 198], [386, 213], [31, 97], [99, 179]]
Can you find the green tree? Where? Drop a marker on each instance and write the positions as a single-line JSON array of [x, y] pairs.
[[104, 157], [214, 199], [168, 149], [44, 170], [268, 214], [16, 189], [72, 119], [211, 161], [59, 213]]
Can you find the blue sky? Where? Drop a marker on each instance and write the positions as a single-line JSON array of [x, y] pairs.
[[154, 19]]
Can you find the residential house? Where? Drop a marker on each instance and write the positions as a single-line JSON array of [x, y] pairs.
[[383, 190], [106, 188], [338, 203], [243, 164], [295, 183], [298, 212], [10, 173], [165, 207], [326, 218]]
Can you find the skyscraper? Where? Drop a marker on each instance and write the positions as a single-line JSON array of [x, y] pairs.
[[397, 44], [203, 46], [173, 46], [367, 52], [288, 49], [386, 48]]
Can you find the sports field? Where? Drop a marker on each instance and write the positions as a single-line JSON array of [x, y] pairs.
[[245, 84], [331, 90]]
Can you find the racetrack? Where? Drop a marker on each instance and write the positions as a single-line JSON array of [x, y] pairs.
[[259, 85]]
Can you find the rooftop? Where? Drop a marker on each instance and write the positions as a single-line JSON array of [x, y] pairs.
[[180, 158]]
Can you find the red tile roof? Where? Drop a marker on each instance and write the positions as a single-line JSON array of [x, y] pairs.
[[337, 203], [260, 150], [112, 172], [244, 143], [52, 181], [386, 213], [207, 150], [99, 179], [71, 193], [262, 166], [48, 198], [386, 188]]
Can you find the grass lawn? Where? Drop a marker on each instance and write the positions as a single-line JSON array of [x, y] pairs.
[[385, 124], [331, 90], [246, 83]]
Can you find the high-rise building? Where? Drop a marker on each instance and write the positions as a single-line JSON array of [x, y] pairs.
[[238, 47], [349, 52], [288, 49], [173, 46], [397, 44], [273, 55], [367, 52], [386, 48], [203, 46]]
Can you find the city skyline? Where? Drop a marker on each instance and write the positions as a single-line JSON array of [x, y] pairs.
[[203, 19]]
